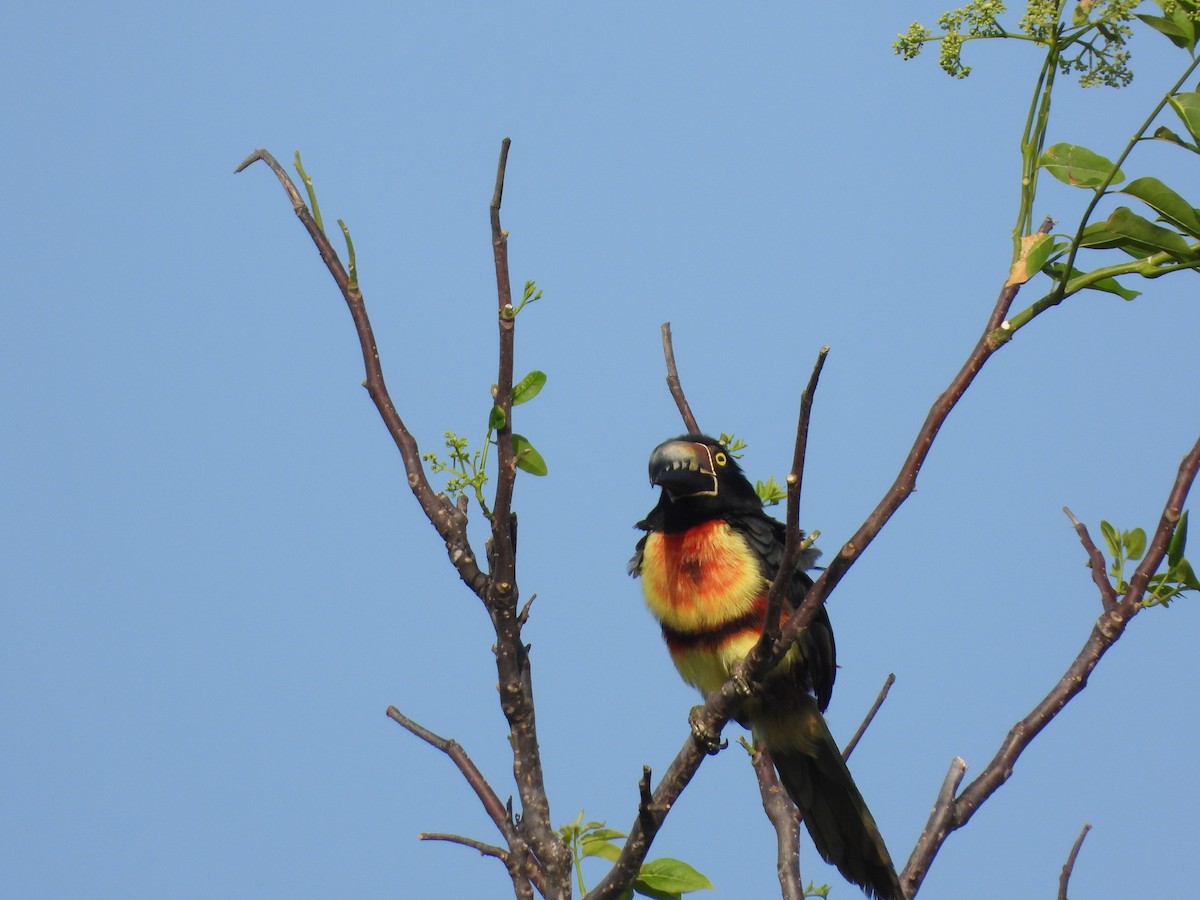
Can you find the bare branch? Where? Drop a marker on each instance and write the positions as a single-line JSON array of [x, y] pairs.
[[484, 849], [1069, 865], [512, 657], [791, 547], [941, 823], [449, 521], [676, 389], [1108, 595], [785, 818], [866, 723], [522, 866], [1107, 630]]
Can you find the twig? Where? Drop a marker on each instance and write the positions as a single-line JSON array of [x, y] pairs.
[[673, 385], [520, 862], [866, 723], [484, 849], [523, 891], [785, 818], [791, 547], [1108, 595], [1069, 865], [449, 521]]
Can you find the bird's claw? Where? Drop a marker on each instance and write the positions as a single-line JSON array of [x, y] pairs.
[[709, 741], [743, 687]]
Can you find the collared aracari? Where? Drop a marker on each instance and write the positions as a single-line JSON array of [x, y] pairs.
[[706, 563]]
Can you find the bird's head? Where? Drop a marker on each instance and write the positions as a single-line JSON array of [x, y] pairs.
[[700, 480]]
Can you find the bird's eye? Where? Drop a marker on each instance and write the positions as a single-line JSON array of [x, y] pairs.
[[719, 458]]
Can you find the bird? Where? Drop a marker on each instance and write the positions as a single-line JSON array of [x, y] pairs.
[[706, 562]]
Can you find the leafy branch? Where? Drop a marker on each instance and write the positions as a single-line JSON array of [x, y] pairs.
[[1162, 587]]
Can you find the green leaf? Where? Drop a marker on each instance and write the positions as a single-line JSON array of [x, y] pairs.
[[603, 849], [1187, 107], [669, 878], [528, 459], [1078, 166], [1179, 29], [1178, 542], [1111, 538], [1140, 231], [496, 418], [1187, 576], [604, 834], [1163, 133], [1164, 201], [1135, 543], [527, 388]]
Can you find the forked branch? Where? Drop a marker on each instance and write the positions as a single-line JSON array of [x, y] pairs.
[[952, 811]]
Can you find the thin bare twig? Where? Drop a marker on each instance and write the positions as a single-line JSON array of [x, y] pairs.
[[484, 849], [1108, 594], [784, 817], [1069, 866], [522, 865], [523, 889], [866, 723], [791, 546], [673, 385]]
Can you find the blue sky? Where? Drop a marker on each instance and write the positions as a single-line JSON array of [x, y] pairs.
[[216, 580]]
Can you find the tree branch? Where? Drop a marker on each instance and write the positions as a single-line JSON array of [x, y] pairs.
[[673, 385], [449, 521], [1107, 630], [791, 547], [1108, 595], [1069, 865], [498, 590], [522, 866], [786, 820], [512, 656], [866, 723], [940, 823]]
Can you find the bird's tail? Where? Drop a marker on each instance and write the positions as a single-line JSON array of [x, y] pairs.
[[811, 768]]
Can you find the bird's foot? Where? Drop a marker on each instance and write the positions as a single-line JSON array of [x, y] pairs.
[[741, 686], [710, 742]]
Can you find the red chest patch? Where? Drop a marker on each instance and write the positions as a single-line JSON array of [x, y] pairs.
[[701, 578]]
